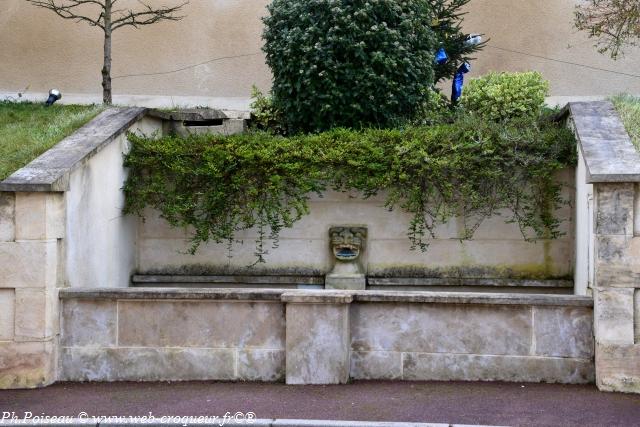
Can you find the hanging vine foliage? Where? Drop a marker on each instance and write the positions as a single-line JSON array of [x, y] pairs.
[[471, 168]]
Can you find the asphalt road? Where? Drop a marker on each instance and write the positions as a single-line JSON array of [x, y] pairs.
[[436, 402]]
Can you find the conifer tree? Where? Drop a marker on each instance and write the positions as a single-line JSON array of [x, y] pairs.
[[447, 24]]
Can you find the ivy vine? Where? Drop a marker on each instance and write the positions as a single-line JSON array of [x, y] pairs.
[[470, 168]]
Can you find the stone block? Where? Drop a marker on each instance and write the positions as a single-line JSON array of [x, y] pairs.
[[39, 216], [563, 332], [614, 208], [33, 314], [618, 367], [317, 343], [146, 364], [473, 367], [200, 324], [28, 264], [31, 216], [376, 365], [616, 262], [613, 315], [261, 365], [7, 312], [89, 323], [295, 256], [441, 328], [7, 217], [26, 364]]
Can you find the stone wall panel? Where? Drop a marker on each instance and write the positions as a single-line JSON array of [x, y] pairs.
[[614, 209], [89, 323], [261, 365], [146, 364], [200, 324], [613, 315], [441, 328], [468, 367], [376, 365], [563, 332]]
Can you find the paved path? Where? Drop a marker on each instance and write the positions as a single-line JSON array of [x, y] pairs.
[[433, 402]]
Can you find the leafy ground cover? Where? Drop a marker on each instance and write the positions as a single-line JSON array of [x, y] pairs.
[[27, 130], [628, 107]]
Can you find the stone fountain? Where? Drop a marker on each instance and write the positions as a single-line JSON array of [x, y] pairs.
[[347, 244]]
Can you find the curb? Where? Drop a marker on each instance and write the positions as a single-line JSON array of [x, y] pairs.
[[64, 422]]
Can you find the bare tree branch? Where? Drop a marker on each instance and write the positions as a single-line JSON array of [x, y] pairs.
[[615, 24], [67, 9], [148, 15]]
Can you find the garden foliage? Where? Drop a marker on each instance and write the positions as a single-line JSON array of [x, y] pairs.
[[349, 63], [503, 96], [471, 168]]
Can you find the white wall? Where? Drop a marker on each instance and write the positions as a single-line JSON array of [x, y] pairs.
[[100, 241], [584, 267], [497, 250]]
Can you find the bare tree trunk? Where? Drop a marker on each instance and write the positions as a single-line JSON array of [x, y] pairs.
[[110, 20], [106, 68]]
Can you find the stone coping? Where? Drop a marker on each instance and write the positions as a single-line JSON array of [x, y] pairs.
[[319, 297], [198, 114], [50, 171], [606, 147]]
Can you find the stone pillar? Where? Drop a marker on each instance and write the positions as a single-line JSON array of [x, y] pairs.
[[31, 229], [617, 283], [317, 337]]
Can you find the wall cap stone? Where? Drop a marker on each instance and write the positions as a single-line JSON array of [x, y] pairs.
[[172, 293], [607, 149], [51, 171], [199, 114], [473, 298], [329, 297]]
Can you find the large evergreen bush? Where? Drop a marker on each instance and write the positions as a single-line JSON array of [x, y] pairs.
[[349, 63]]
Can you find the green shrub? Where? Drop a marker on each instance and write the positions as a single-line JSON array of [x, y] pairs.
[[349, 63], [503, 96], [264, 115], [219, 185]]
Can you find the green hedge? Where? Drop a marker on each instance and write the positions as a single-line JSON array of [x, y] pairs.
[[474, 168]]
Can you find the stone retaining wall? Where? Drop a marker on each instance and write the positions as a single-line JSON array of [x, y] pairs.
[[323, 337], [612, 166], [60, 225]]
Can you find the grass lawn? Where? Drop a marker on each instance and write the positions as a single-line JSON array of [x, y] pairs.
[[28, 130], [629, 109]]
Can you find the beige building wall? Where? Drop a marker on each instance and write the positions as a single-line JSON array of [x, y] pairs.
[[213, 56]]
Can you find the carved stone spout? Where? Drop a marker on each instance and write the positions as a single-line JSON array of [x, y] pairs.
[[347, 244]]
